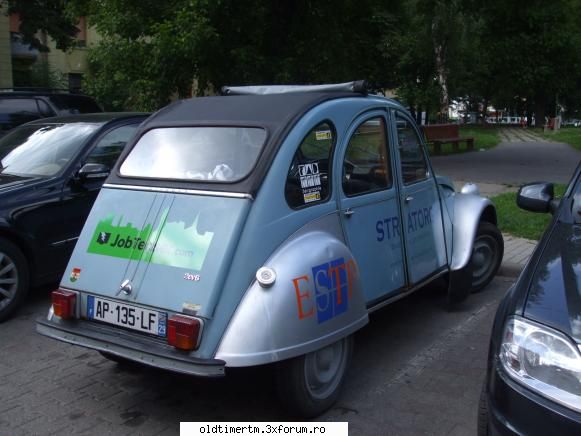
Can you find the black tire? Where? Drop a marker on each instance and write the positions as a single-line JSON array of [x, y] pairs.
[[482, 424], [14, 280], [486, 255], [296, 379]]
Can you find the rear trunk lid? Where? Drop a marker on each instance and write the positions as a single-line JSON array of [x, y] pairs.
[[173, 248]]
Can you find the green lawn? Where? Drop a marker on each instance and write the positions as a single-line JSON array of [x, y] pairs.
[[484, 138], [568, 135], [518, 222]]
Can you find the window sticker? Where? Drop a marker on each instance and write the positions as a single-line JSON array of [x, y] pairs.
[[170, 243], [310, 178], [322, 135]]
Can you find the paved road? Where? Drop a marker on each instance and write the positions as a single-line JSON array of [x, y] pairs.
[[520, 158], [417, 369]]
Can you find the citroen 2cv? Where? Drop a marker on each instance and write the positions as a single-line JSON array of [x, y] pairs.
[[263, 226]]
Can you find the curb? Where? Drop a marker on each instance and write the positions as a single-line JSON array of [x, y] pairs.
[[510, 269]]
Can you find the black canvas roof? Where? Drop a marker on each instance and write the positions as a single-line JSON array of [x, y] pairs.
[[277, 113]]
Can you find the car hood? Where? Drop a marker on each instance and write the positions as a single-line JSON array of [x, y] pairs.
[[555, 292]]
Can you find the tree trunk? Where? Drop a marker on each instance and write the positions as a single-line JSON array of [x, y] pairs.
[[440, 53], [540, 110]]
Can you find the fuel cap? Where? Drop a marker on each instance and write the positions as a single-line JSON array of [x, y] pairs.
[[265, 277]]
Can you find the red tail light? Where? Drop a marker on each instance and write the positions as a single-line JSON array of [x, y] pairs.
[[64, 303], [183, 332]]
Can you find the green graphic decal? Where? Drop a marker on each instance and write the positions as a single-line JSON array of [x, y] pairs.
[[171, 243]]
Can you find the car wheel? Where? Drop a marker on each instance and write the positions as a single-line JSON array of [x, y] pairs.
[[486, 255], [482, 426], [13, 278], [310, 384]]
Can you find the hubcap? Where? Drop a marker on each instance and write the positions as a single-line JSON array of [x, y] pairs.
[[8, 280], [484, 258], [324, 369]]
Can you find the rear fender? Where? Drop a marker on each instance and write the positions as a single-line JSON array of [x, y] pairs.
[[316, 300], [469, 210]]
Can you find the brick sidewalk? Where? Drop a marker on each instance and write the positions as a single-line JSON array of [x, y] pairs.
[[516, 254]]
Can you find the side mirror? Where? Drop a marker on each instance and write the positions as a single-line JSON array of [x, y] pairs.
[[93, 171], [537, 197]]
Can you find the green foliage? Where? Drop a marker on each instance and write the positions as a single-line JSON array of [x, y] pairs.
[[568, 135], [518, 222], [517, 55]]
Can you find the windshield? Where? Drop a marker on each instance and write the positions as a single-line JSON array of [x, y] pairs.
[[223, 154], [42, 150]]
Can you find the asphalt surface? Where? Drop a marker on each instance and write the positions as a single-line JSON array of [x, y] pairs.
[[417, 369], [520, 158]]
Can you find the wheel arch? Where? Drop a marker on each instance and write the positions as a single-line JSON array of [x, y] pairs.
[[297, 315], [469, 211]]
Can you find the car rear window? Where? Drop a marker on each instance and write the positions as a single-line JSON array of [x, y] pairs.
[[16, 111], [74, 104], [210, 154]]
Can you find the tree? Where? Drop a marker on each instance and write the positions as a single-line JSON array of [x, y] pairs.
[[532, 51], [152, 50]]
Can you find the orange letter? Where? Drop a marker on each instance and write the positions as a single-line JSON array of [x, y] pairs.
[[300, 296], [350, 274]]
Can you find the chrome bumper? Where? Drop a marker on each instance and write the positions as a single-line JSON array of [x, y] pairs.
[[139, 349]]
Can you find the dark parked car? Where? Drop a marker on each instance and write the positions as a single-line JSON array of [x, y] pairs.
[[50, 173], [533, 384], [19, 106]]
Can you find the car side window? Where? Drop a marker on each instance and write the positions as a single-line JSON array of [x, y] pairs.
[[308, 178], [110, 146], [366, 165], [413, 162]]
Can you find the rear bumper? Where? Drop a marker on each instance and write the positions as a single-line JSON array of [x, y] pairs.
[[129, 346]]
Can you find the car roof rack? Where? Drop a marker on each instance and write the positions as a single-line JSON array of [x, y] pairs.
[[358, 87]]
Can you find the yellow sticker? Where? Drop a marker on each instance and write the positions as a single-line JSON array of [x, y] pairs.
[[323, 134], [312, 196]]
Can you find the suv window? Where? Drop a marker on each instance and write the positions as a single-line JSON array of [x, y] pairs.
[[308, 176], [111, 145], [16, 111], [413, 161], [366, 166]]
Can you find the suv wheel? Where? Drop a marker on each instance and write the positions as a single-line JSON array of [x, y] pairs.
[[13, 278]]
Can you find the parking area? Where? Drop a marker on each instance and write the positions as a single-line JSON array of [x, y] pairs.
[[417, 369]]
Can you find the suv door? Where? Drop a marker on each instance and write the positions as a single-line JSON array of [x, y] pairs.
[[369, 207], [422, 213]]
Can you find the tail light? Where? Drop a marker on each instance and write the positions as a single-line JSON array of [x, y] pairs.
[[64, 303], [183, 332]]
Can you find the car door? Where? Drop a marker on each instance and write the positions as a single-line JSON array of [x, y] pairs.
[[425, 245], [369, 206]]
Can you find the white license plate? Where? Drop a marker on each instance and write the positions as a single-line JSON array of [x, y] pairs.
[[127, 315]]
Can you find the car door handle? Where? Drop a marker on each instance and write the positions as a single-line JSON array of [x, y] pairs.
[[409, 198], [348, 212]]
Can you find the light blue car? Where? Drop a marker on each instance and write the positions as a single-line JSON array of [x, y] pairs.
[[263, 226]]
